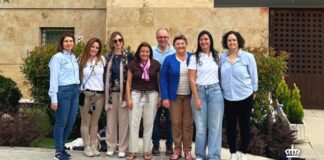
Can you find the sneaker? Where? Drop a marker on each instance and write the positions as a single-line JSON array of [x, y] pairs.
[[59, 156], [169, 150], [156, 149], [243, 157], [88, 152], [233, 156], [67, 155], [110, 153], [121, 154], [188, 156], [176, 155], [95, 151]]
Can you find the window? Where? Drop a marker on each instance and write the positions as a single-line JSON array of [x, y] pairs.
[[52, 35]]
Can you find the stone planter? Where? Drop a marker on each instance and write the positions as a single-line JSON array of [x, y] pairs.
[[300, 129]]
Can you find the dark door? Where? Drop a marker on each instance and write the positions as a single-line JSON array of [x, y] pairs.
[[301, 33]]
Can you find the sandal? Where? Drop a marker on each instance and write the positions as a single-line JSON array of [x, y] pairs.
[[176, 155], [147, 156], [130, 156]]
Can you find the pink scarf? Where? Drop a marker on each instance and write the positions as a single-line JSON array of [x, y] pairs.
[[146, 67]]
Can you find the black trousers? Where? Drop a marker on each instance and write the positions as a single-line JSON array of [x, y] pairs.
[[238, 111]]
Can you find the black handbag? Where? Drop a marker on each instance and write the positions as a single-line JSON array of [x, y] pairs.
[[81, 98]]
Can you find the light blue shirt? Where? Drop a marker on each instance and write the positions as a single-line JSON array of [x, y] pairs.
[[239, 79], [64, 70], [159, 55]]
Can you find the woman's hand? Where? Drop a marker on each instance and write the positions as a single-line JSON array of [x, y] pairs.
[[130, 104], [54, 106], [166, 103], [197, 104]]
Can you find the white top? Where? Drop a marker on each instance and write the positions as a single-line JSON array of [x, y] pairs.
[[95, 81], [207, 69], [183, 87]]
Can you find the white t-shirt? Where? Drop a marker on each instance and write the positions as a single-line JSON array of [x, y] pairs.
[[95, 81], [207, 69], [183, 87]]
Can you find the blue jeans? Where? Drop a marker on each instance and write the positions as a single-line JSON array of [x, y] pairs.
[[209, 119], [65, 115], [156, 128]]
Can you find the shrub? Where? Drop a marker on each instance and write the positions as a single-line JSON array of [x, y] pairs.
[[19, 129], [282, 92], [10, 95], [271, 68], [42, 123], [295, 111]]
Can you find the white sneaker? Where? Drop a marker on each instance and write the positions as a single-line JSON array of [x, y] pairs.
[[121, 154], [95, 151], [233, 156], [88, 152], [243, 157], [110, 153]]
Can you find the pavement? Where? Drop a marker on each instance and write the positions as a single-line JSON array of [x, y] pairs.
[[311, 149]]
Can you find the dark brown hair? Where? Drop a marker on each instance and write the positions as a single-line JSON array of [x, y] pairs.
[[240, 39], [137, 53], [179, 37], [60, 46]]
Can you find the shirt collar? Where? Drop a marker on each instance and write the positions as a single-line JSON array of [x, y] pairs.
[[65, 52], [240, 53], [158, 49]]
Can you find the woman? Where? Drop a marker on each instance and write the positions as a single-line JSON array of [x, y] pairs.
[[239, 83], [64, 92], [115, 103], [175, 91], [91, 74], [207, 98], [142, 97]]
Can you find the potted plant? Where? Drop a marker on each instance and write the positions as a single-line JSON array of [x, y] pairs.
[[290, 109]]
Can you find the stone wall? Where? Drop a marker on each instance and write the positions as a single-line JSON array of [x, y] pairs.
[[20, 22], [139, 20]]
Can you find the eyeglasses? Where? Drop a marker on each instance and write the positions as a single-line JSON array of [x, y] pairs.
[[118, 40], [162, 37]]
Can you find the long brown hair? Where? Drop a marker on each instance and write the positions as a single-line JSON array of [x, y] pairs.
[[84, 57]]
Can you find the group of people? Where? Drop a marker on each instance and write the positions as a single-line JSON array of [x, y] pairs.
[[166, 79]]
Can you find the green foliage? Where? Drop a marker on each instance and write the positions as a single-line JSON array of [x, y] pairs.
[[20, 129], [10, 95], [283, 93], [295, 111], [271, 68], [36, 71], [42, 123], [291, 102], [43, 143]]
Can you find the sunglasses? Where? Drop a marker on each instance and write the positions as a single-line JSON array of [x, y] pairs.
[[118, 40]]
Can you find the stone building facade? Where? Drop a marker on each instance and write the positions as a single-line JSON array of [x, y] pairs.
[[21, 22]]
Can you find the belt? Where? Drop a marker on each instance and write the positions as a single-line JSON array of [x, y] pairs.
[[98, 92], [143, 92]]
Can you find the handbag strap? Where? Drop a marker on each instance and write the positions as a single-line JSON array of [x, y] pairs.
[[83, 84]]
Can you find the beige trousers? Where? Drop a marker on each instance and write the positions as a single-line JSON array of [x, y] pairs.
[[117, 121], [89, 122], [182, 123], [144, 105]]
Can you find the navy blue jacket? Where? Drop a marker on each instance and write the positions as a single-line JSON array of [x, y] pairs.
[[169, 77]]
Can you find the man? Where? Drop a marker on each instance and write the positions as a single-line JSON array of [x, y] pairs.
[[160, 52]]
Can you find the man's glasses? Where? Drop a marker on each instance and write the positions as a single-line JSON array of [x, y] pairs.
[[118, 40], [162, 37]]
